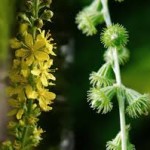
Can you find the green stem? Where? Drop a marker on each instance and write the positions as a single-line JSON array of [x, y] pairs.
[[122, 122], [35, 14], [26, 128], [29, 105], [118, 79], [106, 13]]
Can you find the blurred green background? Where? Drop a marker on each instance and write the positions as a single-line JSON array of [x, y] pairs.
[[72, 120]]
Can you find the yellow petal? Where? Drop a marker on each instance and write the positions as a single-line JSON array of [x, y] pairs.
[[21, 52], [12, 112], [29, 40], [39, 45], [36, 72], [30, 93], [19, 114], [49, 49], [44, 106], [41, 56], [50, 76], [10, 91], [50, 95], [16, 63], [23, 28], [15, 44], [44, 80], [29, 60], [25, 73], [13, 102]]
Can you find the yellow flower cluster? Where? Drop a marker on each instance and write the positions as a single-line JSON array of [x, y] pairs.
[[30, 73], [30, 76]]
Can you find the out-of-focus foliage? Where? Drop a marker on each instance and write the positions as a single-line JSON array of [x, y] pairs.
[[6, 15]]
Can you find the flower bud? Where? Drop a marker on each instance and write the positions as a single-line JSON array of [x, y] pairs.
[[28, 5], [38, 23], [47, 15], [22, 17]]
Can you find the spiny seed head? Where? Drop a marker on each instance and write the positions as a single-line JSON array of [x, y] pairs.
[[114, 36]]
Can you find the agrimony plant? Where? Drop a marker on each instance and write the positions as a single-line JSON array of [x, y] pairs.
[[31, 76], [106, 82]]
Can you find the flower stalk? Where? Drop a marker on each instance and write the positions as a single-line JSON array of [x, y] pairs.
[[30, 78]]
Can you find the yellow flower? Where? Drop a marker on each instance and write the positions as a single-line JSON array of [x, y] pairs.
[[17, 91], [47, 40], [16, 64], [45, 98], [17, 112], [37, 134], [32, 120], [43, 72], [16, 77], [23, 28], [31, 94], [17, 145], [14, 103], [18, 108], [32, 51]]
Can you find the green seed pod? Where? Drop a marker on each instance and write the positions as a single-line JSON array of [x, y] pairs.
[[114, 36], [38, 23], [47, 15]]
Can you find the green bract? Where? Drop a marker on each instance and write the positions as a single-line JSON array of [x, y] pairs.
[[114, 36]]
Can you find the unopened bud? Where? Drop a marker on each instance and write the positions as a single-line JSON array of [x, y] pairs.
[[22, 17], [47, 15], [38, 23], [29, 5]]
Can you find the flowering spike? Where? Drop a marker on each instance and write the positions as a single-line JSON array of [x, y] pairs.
[[30, 76]]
